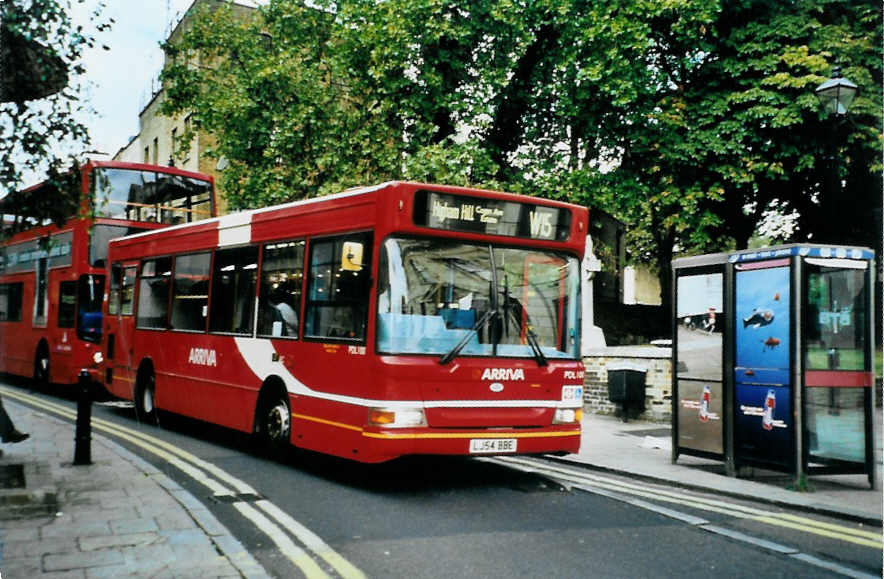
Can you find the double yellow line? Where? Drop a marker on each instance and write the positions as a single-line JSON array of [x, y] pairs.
[[786, 520], [221, 484]]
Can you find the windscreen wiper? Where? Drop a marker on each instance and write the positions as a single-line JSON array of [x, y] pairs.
[[535, 345], [465, 340], [532, 338]]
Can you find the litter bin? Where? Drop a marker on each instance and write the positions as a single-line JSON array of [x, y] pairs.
[[626, 386]]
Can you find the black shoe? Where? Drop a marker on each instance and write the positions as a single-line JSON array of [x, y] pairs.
[[16, 436]]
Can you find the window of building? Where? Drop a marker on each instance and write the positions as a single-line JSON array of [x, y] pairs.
[[156, 150], [172, 146], [10, 302], [191, 292], [233, 290], [153, 293], [282, 273], [67, 304], [340, 283], [188, 126]]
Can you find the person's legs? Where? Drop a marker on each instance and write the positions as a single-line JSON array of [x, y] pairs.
[[8, 433], [6, 425]]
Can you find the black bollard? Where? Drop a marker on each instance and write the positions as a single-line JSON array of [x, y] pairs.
[[83, 437]]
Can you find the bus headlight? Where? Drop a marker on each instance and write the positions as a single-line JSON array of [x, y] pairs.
[[97, 358], [568, 415], [396, 417]]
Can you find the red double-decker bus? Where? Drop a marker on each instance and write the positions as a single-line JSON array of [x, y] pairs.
[[52, 279], [397, 319]]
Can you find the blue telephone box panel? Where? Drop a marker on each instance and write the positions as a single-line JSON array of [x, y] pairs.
[[762, 376]]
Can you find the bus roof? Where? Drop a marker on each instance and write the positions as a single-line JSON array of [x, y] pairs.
[[237, 220], [11, 201]]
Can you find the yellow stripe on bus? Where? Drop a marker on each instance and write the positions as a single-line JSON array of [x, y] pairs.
[[326, 422], [436, 435]]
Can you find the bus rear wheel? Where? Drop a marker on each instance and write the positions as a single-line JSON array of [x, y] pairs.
[[145, 399], [274, 422]]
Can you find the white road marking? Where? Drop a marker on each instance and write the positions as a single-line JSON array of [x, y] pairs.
[[202, 472], [625, 491]]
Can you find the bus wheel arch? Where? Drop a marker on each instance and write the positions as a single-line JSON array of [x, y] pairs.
[[41, 363], [273, 422], [144, 394]]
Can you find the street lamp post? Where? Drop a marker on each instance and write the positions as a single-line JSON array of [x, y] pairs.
[[835, 95]]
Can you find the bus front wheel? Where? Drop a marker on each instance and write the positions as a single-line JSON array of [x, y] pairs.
[[41, 365], [145, 398]]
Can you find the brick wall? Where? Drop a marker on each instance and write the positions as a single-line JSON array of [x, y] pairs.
[[657, 362]]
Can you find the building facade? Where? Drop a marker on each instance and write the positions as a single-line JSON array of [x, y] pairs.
[[157, 139]]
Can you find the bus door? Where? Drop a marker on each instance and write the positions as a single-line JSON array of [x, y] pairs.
[[120, 329], [41, 295], [66, 319], [335, 317]]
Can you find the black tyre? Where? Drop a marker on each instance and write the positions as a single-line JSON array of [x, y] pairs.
[[41, 366], [274, 422], [145, 398]]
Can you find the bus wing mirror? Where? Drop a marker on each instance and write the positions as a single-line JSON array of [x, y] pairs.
[[351, 256]]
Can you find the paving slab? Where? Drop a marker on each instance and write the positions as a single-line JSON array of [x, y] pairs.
[[644, 450], [118, 516]]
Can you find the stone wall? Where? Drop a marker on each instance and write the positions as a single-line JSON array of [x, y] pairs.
[[656, 361]]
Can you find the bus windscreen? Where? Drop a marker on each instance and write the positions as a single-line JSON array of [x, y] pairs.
[[136, 195], [434, 293]]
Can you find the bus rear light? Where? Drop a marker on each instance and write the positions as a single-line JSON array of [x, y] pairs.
[[402, 418], [568, 415]]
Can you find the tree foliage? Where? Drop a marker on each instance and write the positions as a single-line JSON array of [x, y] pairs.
[[685, 119], [42, 48]]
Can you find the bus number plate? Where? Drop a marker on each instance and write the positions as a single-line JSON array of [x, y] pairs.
[[491, 445]]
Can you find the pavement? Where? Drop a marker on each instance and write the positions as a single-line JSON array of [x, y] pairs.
[[644, 450], [121, 516], [116, 517]]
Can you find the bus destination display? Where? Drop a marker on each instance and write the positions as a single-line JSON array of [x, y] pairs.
[[490, 216]]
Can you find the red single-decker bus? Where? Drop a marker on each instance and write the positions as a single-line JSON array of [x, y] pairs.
[[397, 319]]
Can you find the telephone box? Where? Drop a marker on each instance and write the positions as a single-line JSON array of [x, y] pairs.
[[773, 359]]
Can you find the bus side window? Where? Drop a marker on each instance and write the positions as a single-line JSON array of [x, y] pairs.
[[191, 292], [10, 302], [337, 304], [127, 292], [113, 296], [67, 304], [233, 290], [279, 304], [153, 293]]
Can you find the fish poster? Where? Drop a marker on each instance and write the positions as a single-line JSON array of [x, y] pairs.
[[763, 395], [762, 310]]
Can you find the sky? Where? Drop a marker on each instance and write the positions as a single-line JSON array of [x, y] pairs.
[[120, 78]]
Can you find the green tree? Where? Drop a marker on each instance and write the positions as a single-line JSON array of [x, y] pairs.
[[685, 119], [705, 115], [40, 53]]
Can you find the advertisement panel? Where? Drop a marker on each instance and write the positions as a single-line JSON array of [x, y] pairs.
[[763, 397], [700, 324]]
